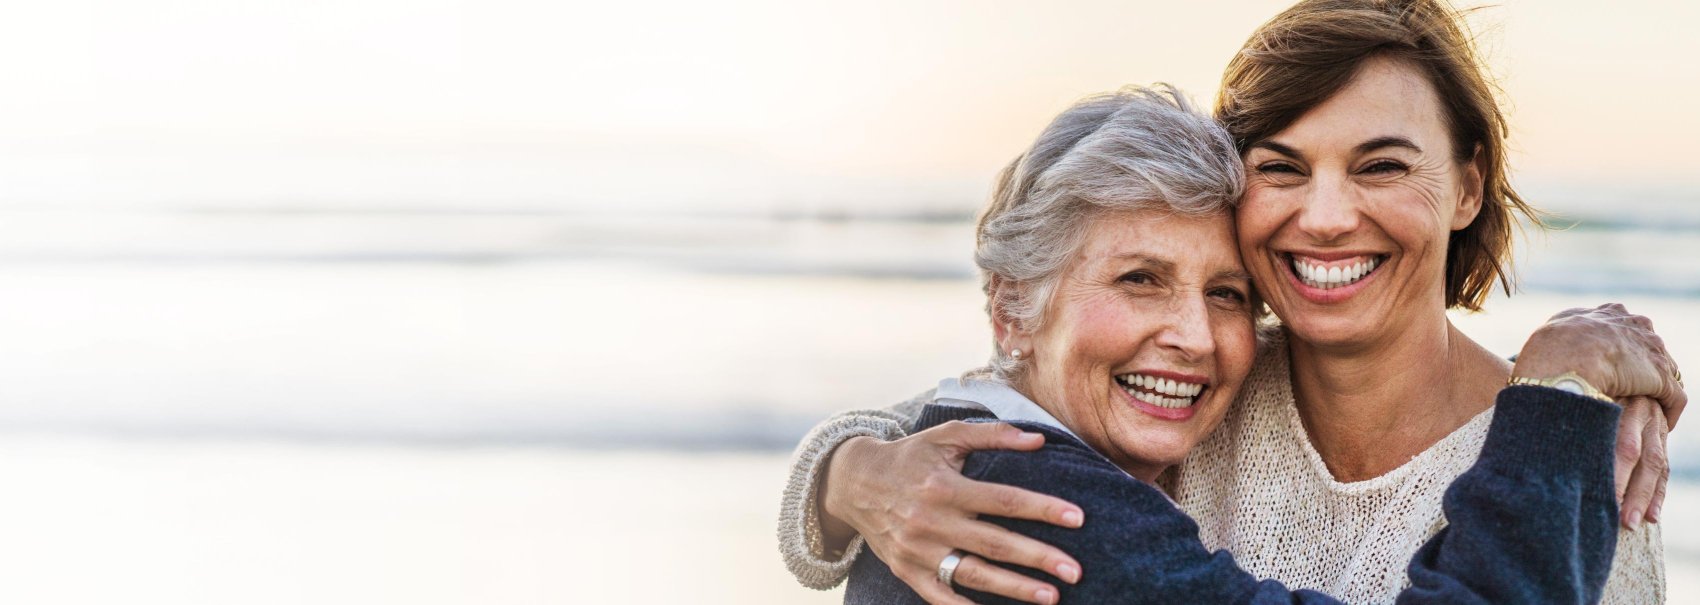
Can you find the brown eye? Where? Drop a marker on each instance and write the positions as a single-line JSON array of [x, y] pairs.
[[1137, 277], [1384, 167], [1229, 294]]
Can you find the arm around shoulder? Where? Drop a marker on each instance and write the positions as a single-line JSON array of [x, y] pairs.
[[799, 528]]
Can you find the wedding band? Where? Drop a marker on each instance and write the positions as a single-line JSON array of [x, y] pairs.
[[947, 567]]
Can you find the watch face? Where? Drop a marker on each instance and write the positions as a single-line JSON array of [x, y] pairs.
[[1569, 386]]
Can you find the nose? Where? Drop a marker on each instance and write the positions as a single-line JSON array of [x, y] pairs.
[[1188, 331], [1330, 211]]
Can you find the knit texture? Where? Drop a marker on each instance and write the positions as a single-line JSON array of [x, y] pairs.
[[799, 531], [1532, 522], [1257, 488]]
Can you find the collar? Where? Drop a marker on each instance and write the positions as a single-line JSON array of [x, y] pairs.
[[998, 398]]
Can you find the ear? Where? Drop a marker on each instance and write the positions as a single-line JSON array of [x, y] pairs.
[[1470, 203], [1006, 330]]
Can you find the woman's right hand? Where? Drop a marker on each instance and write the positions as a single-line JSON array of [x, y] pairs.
[[909, 500]]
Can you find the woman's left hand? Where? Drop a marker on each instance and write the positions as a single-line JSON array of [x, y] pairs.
[[1619, 353]]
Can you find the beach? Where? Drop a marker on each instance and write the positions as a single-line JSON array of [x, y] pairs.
[[143, 521], [516, 408]]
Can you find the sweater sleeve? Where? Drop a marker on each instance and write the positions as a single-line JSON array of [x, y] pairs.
[[1532, 522], [799, 529]]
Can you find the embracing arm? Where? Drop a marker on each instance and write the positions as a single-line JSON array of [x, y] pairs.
[[814, 563], [1531, 522]]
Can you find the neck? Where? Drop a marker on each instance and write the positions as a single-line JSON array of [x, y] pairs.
[[1369, 408], [1140, 469]]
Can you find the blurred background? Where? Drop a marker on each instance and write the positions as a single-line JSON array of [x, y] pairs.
[[514, 301]]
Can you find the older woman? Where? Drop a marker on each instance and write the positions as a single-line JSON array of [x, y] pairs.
[[1376, 199], [1123, 328]]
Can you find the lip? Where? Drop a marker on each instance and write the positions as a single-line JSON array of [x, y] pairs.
[[1174, 414], [1329, 256], [1334, 295]]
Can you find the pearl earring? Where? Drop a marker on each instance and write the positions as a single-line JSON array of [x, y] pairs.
[[1016, 353]]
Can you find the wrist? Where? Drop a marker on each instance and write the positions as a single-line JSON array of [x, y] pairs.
[[1569, 382], [833, 510]]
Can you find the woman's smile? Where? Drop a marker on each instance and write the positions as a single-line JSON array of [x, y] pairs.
[[1147, 338], [1322, 277], [1348, 211], [1166, 395]]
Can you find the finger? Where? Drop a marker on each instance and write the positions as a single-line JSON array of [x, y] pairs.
[[1005, 501], [1652, 470], [1674, 404], [987, 436], [1630, 427], [978, 574], [1657, 507], [999, 544], [926, 583]]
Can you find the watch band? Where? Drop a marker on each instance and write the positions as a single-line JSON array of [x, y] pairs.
[[1575, 383]]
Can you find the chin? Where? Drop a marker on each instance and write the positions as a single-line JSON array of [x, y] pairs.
[[1161, 448], [1331, 330]]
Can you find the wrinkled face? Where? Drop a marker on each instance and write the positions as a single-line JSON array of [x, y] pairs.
[[1147, 338], [1347, 212]]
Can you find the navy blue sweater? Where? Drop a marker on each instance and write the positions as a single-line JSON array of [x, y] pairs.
[[1534, 521]]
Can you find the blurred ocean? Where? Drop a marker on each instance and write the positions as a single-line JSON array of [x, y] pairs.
[[528, 406]]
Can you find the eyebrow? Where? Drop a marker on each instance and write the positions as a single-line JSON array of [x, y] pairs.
[[1168, 266], [1235, 275], [1278, 148], [1362, 148], [1164, 265], [1381, 142]]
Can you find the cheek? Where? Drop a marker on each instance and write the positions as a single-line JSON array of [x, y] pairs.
[[1112, 332], [1236, 345], [1257, 217]]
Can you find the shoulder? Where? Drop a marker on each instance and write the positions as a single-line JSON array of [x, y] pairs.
[[1637, 567], [1065, 467]]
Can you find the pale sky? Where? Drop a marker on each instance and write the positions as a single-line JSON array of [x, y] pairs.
[[749, 103]]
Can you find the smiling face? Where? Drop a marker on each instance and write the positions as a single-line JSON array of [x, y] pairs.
[[1147, 338], [1348, 211]]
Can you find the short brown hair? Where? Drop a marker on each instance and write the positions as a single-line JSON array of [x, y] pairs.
[[1309, 52]]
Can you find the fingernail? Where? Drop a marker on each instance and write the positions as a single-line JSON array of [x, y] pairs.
[[1631, 520], [1653, 513], [1072, 518], [1045, 595], [1068, 572]]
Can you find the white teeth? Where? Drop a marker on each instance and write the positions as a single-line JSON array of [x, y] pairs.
[[1328, 278], [1172, 394]]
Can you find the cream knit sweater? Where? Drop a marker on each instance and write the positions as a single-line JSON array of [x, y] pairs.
[[1258, 488]]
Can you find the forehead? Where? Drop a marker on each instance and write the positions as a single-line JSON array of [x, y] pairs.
[[1200, 242], [1386, 97]]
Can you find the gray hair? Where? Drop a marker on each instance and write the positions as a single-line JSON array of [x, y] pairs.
[[1134, 149]]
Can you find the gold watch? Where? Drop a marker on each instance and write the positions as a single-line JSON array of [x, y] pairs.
[[1569, 382]]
